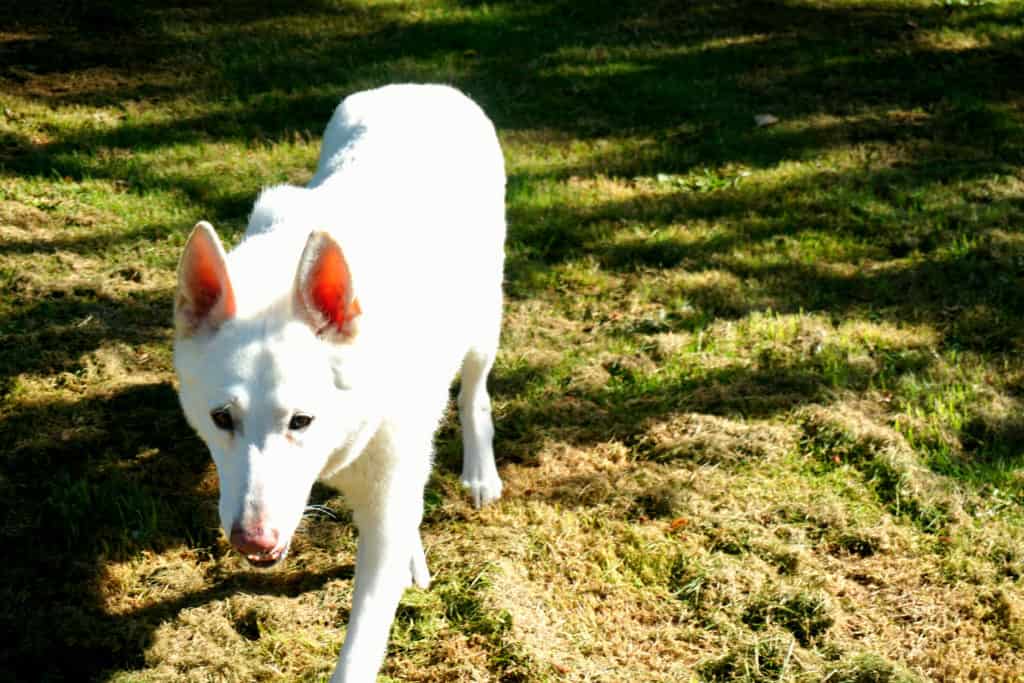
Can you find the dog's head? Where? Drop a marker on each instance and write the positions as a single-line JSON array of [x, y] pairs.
[[265, 388]]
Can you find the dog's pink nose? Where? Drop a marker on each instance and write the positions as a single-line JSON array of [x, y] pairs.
[[256, 540]]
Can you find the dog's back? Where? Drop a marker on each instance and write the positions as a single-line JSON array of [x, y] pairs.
[[411, 183]]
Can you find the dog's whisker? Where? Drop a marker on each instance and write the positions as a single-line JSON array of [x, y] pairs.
[[323, 510]]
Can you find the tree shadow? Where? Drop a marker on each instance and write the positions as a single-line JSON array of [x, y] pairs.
[[96, 481], [732, 404], [765, 389], [63, 325], [699, 71], [898, 248], [699, 74]]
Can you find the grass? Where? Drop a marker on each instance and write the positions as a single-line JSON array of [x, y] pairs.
[[759, 396]]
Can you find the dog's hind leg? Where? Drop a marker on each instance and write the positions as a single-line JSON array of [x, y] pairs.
[[479, 472], [418, 565]]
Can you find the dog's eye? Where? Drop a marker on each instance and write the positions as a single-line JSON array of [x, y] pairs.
[[222, 418], [300, 421]]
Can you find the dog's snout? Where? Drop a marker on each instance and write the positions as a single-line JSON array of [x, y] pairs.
[[257, 540]]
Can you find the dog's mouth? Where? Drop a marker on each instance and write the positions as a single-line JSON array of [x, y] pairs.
[[267, 560]]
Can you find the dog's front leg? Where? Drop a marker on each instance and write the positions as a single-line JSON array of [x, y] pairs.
[[387, 540], [382, 573]]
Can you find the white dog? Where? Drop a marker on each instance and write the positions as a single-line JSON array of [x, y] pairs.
[[324, 345]]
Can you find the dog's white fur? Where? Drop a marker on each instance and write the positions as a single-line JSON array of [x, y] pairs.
[[409, 190]]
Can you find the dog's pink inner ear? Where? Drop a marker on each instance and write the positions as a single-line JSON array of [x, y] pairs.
[[327, 286], [204, 290], [205, 284]]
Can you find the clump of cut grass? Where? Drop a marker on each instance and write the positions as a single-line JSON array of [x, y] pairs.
[[658, 503], [467, 611], [859, 543], [705, 438], [807, 615], [868, 668], [768, 658], [1004, 610], [890, 467]]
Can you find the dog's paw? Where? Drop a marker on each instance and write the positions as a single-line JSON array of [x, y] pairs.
[[418, 569], [483, 489]]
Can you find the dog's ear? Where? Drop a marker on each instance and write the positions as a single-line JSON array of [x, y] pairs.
[[204, 299], [323, 288]]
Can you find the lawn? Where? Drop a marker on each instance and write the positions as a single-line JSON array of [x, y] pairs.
[[759, 399]]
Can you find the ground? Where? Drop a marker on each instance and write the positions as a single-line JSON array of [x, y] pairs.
[[758, 403]]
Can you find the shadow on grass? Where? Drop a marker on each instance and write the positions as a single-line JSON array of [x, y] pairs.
[[96, 481], [690, 77], [61, 326], [619, 410], [525, 52], [713, 420], [687, 80], [890, 245]]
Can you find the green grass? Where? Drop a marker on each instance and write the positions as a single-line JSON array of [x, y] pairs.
[[759, 399]]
